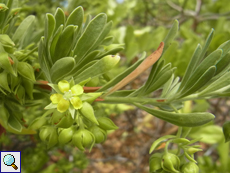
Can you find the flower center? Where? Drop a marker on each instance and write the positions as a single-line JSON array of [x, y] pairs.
[[68, 95]]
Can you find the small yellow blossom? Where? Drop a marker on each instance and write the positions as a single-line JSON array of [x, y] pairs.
[[70, 95]]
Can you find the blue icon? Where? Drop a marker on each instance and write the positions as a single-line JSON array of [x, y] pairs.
[[9, 160]]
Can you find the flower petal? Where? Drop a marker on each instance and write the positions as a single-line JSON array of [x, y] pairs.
[[63, 86], [55, 98], [63, 105], [77, 90], [76, 102]]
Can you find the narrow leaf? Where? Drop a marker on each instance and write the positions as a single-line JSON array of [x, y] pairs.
[[180, 119]]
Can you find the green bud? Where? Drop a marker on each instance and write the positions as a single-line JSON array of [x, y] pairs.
[[3, 7], [170, 162], [20, 94], [88, 112], [65, 136], [106, 123], [155, 162], [99, 134], [29, 86], [38, 123], [26, 70], [190, 167], [49, 135], [56, 117], [66, 121], [83, 138], [62, 120], [226, 130], [192, 150], [5, 40]]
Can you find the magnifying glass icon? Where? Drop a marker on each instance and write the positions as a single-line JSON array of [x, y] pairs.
[[9, 160]]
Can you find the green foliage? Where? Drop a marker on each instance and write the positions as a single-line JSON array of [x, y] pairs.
[[77, 53]]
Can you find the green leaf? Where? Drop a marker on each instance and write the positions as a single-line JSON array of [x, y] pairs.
[[88, 112], [76, 17], [5, 63], [107, 41], [49, 28], [111, 51], [222, 63], [55, 40], [64, 43], [20, 33], [206, 45], [26, 70], [90, 36], [222, 83], [103, 34], [158, 141], [180, 119], [209, 61], [55, 87], [4, 115], [226, 130], [102, 66], [88, 58], [156, 68], [122, 75], [59, 18], [161, 80], [61, 68], [45, 66], [192, 65], [225, 47], [51, 106], [171, 35], [207, 76], [14, 123], [167, 86]]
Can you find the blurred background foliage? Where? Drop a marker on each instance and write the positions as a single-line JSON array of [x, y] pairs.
[[140, 25]]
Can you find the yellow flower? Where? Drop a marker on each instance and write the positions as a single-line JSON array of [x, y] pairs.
[[70, 95]]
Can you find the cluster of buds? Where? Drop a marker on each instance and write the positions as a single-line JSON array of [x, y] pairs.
[[169, 162], [175, 163], [70, 118]]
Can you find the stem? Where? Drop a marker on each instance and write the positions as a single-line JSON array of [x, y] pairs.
[[187, 132], [131, 100], [166, 146], [179, 132]]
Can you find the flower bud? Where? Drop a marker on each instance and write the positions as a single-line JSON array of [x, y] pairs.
[[38, 123], [106, 123], [155, 162], [190, 167], [170, 162], [83, 138], [192, 150], [49, 135], [99, 134], [65, 135], [62, 120]]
